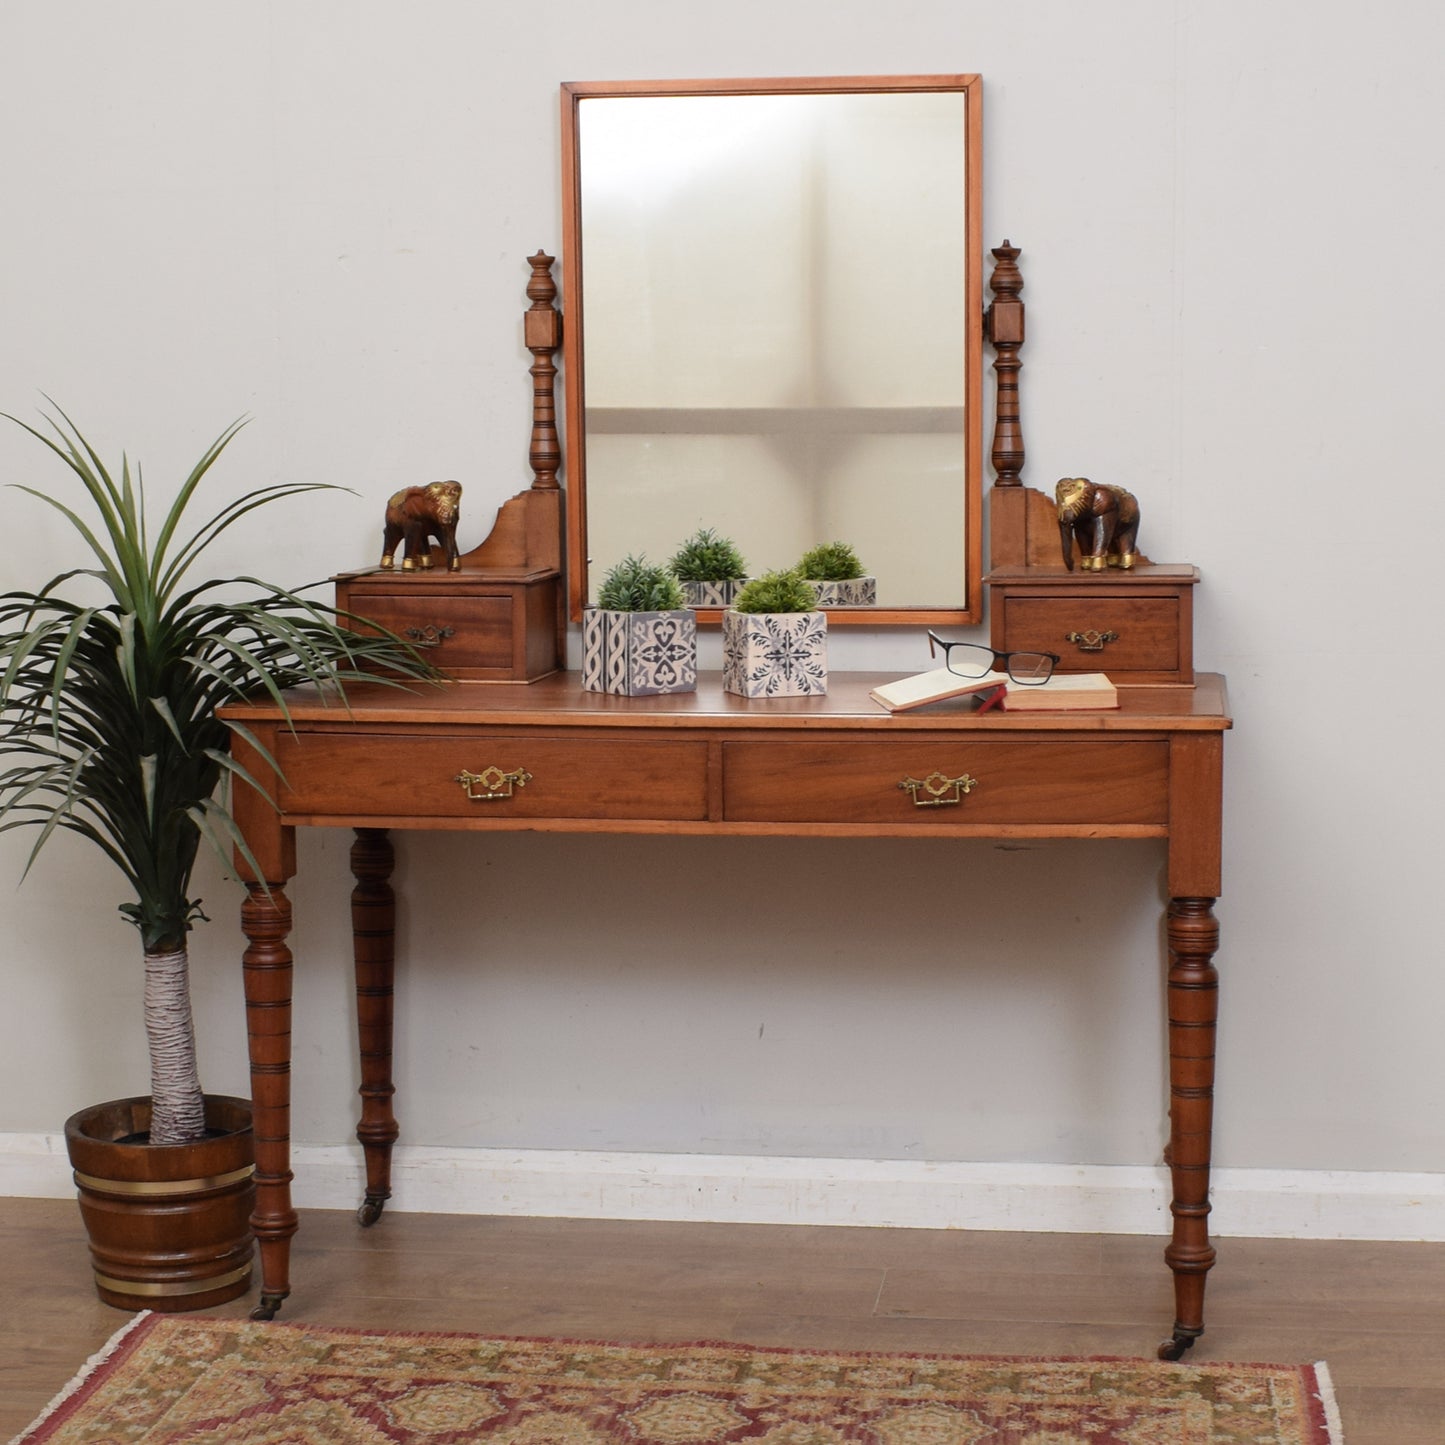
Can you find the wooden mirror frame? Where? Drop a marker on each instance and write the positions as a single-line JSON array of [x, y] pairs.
[[970, 610]]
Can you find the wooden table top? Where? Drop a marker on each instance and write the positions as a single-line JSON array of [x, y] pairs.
[[560, 701]]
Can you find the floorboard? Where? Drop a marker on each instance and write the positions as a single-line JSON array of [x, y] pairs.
[[1372, 1311]]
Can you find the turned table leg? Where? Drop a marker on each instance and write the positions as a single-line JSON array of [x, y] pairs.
[[266, 922], [373, 929], [1193, 996]]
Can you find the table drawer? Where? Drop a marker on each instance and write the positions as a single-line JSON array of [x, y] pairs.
[[500, 776], [1023, 783]]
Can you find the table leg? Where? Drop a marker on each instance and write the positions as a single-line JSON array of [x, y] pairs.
[[266, 922], [373, 929], [1193, 1011]]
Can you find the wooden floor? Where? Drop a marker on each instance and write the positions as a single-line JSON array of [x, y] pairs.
[[1372, 1311]]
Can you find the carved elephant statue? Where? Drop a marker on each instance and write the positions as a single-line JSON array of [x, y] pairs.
[[1105, 521], [417, 514]]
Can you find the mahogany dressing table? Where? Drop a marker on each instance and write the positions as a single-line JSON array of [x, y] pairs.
[[489, 757]]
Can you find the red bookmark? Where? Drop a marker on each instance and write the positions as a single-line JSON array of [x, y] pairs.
[[992, 699]]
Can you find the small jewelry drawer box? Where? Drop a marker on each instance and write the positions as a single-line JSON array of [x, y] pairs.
[[1136, 626], [478, 626]]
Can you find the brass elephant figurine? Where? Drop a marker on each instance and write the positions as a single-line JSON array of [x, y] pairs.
[[414, 516], [1104, 520]]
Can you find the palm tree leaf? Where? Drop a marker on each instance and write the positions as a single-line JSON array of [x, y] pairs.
[[75, 438], [121, 523], [232, 769], [74, 637], [113, 576], [188, 488], [227, 840], [207, 533], [163, 709], [263, 752], [125, 651]]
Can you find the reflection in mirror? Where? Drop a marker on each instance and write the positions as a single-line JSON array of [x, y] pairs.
[[774, 312]]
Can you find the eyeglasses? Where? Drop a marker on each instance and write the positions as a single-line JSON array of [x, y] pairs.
[[972, 659]]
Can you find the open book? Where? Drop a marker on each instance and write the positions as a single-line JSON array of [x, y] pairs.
[[1063, 691], [925, 687]]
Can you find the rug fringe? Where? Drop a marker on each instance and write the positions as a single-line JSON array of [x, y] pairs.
[[1331, 1406], [94, 1363]]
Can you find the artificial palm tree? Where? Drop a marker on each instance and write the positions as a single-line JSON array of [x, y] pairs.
[[108, 713]]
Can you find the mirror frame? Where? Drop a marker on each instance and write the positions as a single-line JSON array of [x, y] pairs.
[[970, 610]]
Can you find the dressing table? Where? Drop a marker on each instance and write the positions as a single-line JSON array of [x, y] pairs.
[[544, 755]]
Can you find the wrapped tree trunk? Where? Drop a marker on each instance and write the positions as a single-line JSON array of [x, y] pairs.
[[178, 1114]]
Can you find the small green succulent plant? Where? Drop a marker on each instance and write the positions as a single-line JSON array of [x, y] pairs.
[[783, 591], [830, 562], [637, 585], [707, 557]]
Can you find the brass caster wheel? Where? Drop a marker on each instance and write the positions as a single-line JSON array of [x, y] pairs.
[[1174, 1347], [266, 1310], [370, 1210]]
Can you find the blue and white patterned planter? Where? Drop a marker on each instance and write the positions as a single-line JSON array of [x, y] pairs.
[[712, 594], [775, 654], [851, 592], [639, 654]]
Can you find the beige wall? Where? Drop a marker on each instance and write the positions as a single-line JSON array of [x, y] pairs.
[[318, 213]]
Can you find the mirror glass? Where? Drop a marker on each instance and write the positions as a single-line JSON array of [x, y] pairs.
[[772, 328]]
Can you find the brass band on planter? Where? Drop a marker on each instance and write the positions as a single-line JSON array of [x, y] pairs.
[[163, 1186], [192, 1286]]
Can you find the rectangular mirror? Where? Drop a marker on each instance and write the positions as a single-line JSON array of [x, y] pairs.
[[773, 297]]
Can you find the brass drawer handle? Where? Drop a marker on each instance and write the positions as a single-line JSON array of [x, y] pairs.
[[430, 635], [940, 791], [1092, 640], [493, 782]]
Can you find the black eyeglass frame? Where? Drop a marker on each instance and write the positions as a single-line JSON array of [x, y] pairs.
[[934, 640]]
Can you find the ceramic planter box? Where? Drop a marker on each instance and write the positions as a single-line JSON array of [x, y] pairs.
[[639, 654], [775, 654], [851, 592], [712, 594]]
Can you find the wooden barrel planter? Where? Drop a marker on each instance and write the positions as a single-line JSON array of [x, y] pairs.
[[169, 1224]]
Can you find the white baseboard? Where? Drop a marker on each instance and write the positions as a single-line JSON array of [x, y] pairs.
[[748, 1189]]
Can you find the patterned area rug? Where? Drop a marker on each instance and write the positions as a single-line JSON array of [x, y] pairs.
[[223, 1382]]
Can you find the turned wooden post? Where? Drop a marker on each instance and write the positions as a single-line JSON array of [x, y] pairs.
[[1193, 1000], [373, 935], [267, 970], [1005, 325], [542, 331]]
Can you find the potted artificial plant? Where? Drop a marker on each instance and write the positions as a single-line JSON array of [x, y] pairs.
[[775, 640], [710, 568], [837, 576], [110, 678], [641, 637]]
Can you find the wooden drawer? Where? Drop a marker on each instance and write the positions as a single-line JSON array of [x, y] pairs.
[[475, 628], [1093, 633], [1032, 782], [396, 775], [1136, 627]]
